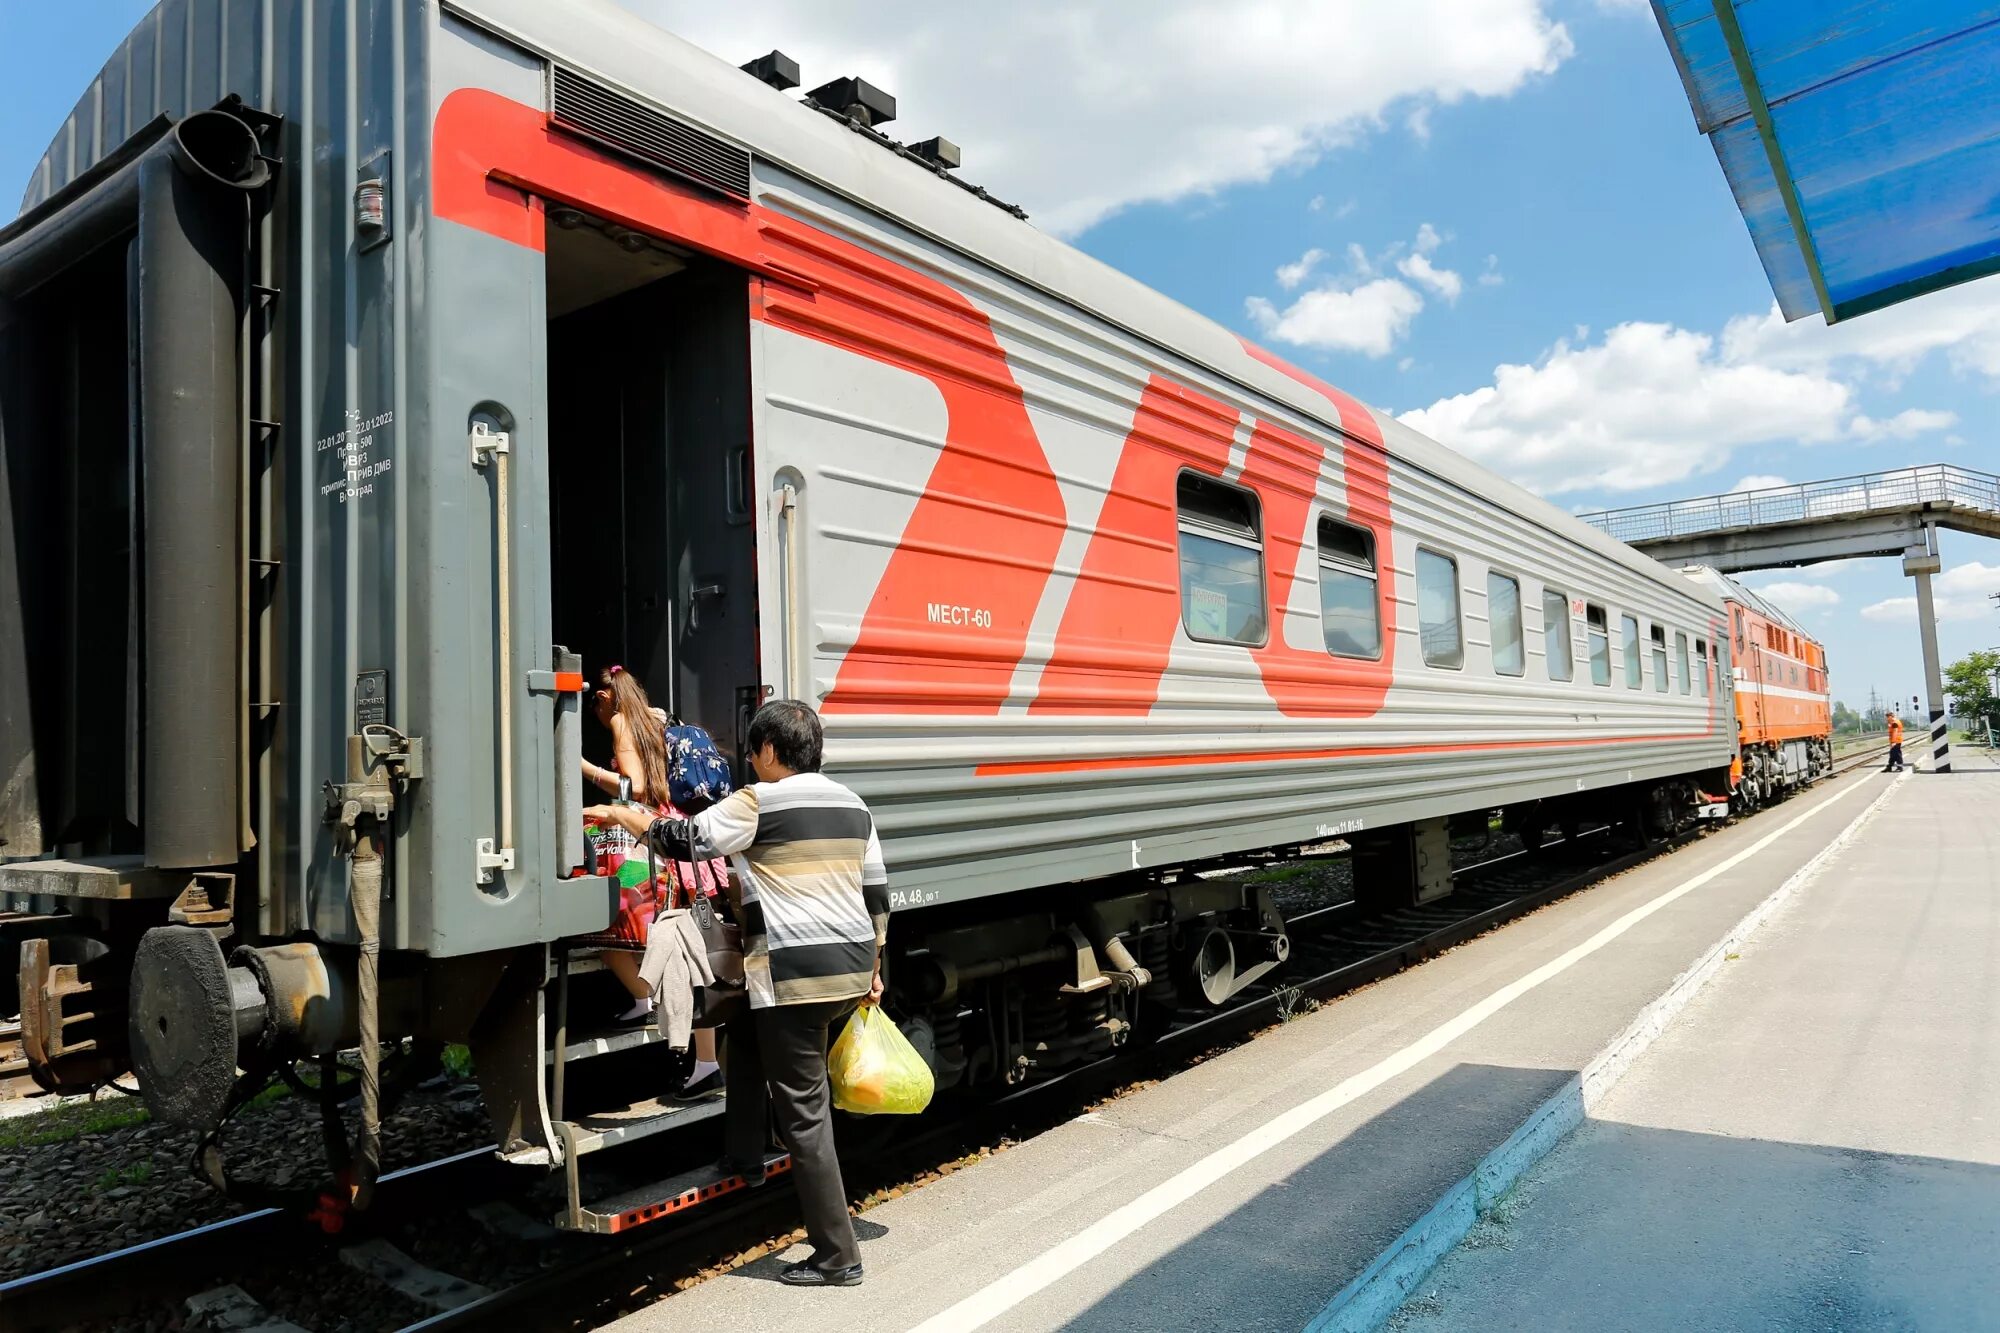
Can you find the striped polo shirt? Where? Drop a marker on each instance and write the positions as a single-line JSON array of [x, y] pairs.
[[815, 893]]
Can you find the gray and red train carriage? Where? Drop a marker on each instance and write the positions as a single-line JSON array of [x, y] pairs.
[[550, 341]]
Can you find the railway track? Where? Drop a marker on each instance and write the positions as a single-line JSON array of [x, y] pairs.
[[1337, 949]]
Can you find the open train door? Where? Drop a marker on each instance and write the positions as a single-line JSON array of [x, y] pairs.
[[652, 544]]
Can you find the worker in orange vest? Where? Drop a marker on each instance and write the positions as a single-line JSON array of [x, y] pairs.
[[1895, 745]]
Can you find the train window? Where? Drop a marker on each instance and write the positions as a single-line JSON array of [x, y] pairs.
[[1222, 562], [1660, 659], [1349, 613], [1598, 628], [1437, 609], [1681, 653], [1555, 627], [1629, 640], [1701, 664], [1503, 614]]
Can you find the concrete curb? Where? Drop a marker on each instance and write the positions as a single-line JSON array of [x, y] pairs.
[[1391, 1278]]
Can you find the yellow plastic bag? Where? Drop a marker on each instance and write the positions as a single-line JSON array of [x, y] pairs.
[[874, 1069]]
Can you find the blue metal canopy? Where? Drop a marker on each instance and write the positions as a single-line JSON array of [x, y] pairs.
[[1861, 139]]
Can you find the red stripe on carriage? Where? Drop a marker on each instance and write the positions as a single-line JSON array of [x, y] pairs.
[[1117, 628], [985, 530], [1303, 682]]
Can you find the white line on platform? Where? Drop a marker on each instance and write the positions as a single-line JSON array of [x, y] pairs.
[[1059, 1261]]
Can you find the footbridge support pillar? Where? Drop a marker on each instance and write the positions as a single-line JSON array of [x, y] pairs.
[[1920, 562]]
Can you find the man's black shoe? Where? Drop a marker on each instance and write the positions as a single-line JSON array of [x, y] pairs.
[[752, 1172], [805, 1273]]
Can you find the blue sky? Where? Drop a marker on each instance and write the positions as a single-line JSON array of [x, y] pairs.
[[1494, 216]]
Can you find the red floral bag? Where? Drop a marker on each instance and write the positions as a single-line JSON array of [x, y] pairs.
[[620, 856]]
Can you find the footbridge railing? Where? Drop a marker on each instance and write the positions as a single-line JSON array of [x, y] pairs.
[[1945, 489]]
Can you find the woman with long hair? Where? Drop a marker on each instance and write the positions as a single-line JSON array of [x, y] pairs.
[[638, 740], [640, 757]]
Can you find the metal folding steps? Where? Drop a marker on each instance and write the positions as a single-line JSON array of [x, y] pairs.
[[651, 1203]]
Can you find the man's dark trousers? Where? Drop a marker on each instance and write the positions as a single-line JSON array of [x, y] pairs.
[[1895, 757], [784, 1048]]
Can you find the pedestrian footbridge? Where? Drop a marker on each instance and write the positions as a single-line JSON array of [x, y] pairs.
[[1897, 512], [1878, 513]]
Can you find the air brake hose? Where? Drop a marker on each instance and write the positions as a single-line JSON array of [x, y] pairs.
[[366, 895]]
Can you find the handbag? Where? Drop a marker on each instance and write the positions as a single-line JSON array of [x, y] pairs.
[[722, 939]]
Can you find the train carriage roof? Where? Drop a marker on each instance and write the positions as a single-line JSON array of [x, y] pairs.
[[1729, 590], [601, 39]]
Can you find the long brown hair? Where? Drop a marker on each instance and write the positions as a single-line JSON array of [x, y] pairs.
[[629, 701]]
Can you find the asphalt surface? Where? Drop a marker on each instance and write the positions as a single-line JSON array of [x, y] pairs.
[[1815, 1143]]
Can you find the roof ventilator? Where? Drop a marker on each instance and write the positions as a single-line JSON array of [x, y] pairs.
[[861, 106], [775, 68]]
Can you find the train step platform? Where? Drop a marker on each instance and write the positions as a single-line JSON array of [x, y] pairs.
[[1814, 1144], [1308, 1177]]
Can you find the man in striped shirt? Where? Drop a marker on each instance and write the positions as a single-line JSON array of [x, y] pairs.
[[815, 913]]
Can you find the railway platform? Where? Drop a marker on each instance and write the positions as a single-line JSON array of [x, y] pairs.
[[1814, 1144], [1311, 1177]]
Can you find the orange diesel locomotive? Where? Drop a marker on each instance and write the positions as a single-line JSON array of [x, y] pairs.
[[1784, 713]]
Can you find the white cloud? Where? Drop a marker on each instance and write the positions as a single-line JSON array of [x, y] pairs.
[[1419, 123], [1369, 319], [1828, 569], [1442, 281], [1798, 598], [1364, 310], [1078, 111], [1292, 274], [1961, 322], [1759, 481], [1905, 425], [1962, 592], [1491, 277], [1650, 404]]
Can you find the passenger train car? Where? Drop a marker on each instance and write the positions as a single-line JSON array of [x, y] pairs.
[[1784, 707], [475, 344]]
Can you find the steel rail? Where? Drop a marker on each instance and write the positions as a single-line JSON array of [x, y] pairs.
[[57, 1297]]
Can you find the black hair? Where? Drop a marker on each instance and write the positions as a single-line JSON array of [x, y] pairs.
[[793, 732]]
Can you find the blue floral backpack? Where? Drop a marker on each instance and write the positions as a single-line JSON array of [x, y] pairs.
[[697, 774]]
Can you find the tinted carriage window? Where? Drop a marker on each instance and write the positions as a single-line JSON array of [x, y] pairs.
[[1659, 659], [1681, 656], [1701, 664], [1437, 609], [1349, 614], [1555, 627], [1503, 611], [1599, 629], [1629, 641], [1222, 562]]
